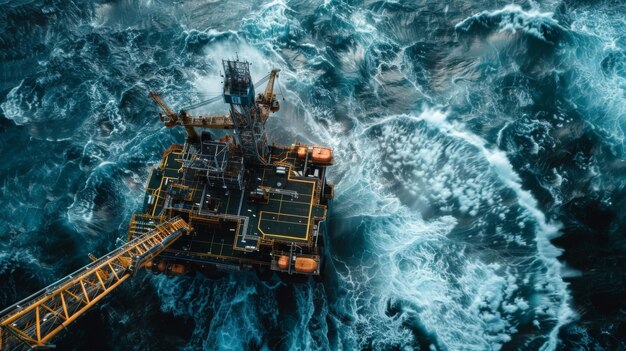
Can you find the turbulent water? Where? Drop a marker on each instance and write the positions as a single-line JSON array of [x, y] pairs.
[[480, 170]]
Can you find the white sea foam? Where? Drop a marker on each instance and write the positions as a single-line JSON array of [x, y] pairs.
[[513, 18], [458, 170], [468, 303], [599, 91], [12, 107]]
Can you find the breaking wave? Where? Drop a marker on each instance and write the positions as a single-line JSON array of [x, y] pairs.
[[468, 142]]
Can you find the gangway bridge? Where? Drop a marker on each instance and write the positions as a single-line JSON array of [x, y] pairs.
[[34, 321], [252, 204]]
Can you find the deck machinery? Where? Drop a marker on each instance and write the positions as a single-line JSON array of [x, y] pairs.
[[252, 204], [215, 203]]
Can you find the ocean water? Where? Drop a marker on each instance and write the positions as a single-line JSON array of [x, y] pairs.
[[480, 171]]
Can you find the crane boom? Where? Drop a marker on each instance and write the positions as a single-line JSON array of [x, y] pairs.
[[207, 121], [32, 322], [269, 89], [190, 122], [267, 102], [262, 80], [203, 103], [172, 118], [171, 115]]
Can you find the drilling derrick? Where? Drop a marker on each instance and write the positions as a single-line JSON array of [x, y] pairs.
[[220, 202], [245, 114]]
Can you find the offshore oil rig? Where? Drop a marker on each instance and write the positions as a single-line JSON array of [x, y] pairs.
[[215, 204]]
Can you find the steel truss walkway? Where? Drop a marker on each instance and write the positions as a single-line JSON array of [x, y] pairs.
[[32, 322]]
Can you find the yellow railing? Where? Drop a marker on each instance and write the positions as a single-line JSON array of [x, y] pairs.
[[32, 322], [141, 224]]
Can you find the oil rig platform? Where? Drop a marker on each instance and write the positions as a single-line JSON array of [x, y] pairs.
[[225, 200]]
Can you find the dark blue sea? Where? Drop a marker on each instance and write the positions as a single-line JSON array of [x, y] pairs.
[[480, 172]]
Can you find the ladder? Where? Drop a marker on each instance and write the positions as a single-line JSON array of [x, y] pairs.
[[32, 322]]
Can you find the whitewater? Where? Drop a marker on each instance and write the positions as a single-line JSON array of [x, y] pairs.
[[473, 143]]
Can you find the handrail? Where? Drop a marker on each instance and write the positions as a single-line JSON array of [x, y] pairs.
[[33, 321]]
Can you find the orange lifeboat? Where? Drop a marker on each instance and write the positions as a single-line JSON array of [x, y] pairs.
[[321, 155], [305, 265], [177, 269], [283, 262], [302, 151], [161, 266]]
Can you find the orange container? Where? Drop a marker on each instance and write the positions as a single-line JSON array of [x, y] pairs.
[[305, 265], [283, 262], [321, 155]]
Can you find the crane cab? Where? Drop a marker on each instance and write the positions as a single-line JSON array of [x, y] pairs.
[[274, 106]]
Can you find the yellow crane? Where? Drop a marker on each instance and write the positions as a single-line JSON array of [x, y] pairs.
[[171, 119], [267, 101], [32, 322]]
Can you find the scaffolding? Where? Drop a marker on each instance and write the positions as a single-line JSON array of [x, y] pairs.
[[220, 161]]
